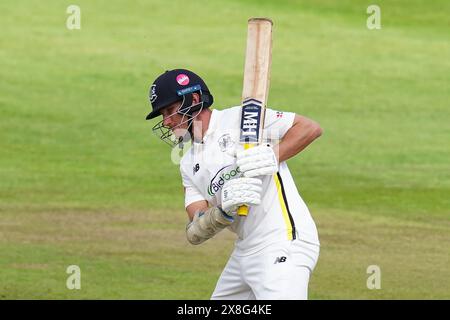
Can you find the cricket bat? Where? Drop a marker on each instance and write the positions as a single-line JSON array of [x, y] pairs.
[[255, 90]]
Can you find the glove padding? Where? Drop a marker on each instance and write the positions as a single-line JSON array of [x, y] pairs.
[[257, 161], [241, 191]]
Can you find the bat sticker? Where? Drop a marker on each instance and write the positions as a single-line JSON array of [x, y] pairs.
[[250, 122]]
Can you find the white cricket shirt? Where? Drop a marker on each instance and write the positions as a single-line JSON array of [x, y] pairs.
[[206, 166]]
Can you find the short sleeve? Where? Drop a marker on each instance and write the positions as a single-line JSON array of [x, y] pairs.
[[277, 123], [191, 193]]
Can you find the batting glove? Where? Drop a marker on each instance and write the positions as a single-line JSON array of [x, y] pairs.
[[241, 191], [257, 161]]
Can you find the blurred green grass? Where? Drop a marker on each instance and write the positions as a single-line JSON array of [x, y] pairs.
[[74, 144]]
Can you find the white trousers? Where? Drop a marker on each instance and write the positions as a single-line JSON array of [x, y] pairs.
[[280, 271]]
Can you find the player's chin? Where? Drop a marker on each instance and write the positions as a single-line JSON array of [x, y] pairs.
[[180, 132]]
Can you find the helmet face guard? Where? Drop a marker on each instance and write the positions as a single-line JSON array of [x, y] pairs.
[[179, 135]]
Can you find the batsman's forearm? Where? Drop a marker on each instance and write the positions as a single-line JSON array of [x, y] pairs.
[[206, 224], [297, 138]]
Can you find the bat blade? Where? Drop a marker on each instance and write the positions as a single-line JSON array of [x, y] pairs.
[[258, 59]]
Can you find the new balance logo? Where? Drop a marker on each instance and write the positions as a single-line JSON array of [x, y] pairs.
[[196, 168], [280, 259]]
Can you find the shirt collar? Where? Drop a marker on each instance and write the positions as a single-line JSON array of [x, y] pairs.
[[211, 126]]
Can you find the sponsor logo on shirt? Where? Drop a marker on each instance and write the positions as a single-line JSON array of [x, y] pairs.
[[220, 178]]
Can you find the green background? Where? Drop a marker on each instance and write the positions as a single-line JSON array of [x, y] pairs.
[[83, 181]]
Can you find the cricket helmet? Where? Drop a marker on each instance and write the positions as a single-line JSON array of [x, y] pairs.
[[177, 85]]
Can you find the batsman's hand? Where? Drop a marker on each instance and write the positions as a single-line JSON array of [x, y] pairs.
[[257, 161], [241, 191]]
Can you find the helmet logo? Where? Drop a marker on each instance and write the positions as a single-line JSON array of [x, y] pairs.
[[182, 79], [153, 95]]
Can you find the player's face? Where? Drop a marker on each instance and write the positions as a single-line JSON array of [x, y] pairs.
[[174, 127], [171, 118]]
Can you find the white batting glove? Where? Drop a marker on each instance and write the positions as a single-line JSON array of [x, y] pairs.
[[240, 191], [257, 161]]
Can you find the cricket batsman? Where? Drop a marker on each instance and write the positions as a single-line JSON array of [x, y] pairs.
[[277, 245]]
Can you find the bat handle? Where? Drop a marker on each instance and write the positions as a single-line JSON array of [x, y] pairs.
[[243, 210]]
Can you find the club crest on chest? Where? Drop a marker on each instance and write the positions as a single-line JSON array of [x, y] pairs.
[[225, 142]]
